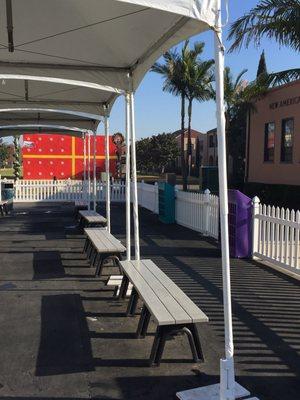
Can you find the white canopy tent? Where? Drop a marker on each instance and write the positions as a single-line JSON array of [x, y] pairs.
[[49, 117], [102, 49]]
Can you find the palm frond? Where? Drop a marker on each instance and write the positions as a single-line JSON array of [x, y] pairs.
[[274, 19], [282, 77]]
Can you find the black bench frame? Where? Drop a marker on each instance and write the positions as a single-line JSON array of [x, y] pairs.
[[163, 332], [98, 259]]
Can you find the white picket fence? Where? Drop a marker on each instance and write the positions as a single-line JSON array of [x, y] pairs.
[[64, 190], [275, 231], [148, 196], [276, 236], [198, 211]]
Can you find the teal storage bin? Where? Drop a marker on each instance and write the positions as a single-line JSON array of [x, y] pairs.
[[166, 203]]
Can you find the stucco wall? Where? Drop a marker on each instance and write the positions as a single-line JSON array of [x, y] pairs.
[[278, 104]]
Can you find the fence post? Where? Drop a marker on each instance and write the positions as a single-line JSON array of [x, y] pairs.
[[206, 212], [255, 225], [155, 198], [141, 198]]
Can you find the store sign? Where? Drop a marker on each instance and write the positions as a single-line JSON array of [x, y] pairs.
[[285, 103]]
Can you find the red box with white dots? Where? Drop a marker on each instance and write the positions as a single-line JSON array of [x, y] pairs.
[[58, 156]]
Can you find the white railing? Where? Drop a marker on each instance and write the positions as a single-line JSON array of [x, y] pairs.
[[198, 211], [65, 190], [117, 192], [276, 236], [148, 196]]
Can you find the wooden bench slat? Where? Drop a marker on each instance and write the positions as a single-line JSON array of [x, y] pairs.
[[171, 304], [92, 216], [104, 241], [155, 286], [196, 314], [110, 240], [153, 303]]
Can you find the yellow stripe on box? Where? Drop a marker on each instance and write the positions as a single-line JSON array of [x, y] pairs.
[[63, 156], [73, 157]]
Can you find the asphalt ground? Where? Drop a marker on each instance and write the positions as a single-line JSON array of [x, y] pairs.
[[64, 336]]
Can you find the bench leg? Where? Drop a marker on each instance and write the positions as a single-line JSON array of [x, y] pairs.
[[90, 250], [123, 287], [143, 323], [162, 334], [99, 267], [158, 345], [94, 261], [131, 309], [197, 352], [86, 245], [93, 257]]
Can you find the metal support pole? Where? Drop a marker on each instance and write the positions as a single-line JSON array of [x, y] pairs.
[[94, 172], [84, 167], [227, 376], [106, 128], [89, 170], [134, 180], [127, 184]]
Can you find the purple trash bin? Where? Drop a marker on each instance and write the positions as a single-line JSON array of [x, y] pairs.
[[239, 224]]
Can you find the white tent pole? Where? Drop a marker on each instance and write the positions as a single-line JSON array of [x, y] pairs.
[[89, 170], [94, 171], [106, 127], [128, 186], [227, 377], [84, 166], [134, 181]]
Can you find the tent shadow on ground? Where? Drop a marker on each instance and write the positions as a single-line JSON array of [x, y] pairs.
[[65, 340]]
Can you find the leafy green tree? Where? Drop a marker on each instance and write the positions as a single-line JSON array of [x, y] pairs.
[[164, 150], [4, 153], [274, 19], [157, 152], [17, 158], [144, 157]]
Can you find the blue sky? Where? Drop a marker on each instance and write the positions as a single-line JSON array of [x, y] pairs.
[[158, 112]]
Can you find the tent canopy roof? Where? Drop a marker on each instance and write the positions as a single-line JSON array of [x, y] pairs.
[[102, 42], [17, 116], [16, 130]]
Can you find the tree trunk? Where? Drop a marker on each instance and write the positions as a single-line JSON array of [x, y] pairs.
[[183, 169], [189, 145]]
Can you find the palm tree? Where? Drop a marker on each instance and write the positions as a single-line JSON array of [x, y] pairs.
[[278, 19], [176, 70], [199, 87], [173, 71]]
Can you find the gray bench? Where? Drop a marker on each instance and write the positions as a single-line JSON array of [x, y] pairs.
[[100, 245], [80, 205], [171, 308], [91, 218]]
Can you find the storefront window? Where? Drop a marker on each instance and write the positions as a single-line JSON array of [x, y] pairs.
[[287, 140], [269, 141]]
